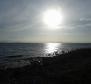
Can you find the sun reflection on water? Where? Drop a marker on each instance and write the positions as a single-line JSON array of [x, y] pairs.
[[52, 47]]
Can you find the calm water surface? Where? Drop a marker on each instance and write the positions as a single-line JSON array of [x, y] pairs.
[[28, 50], [36, 49]]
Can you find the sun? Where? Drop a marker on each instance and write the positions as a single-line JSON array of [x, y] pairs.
[[52, 18]]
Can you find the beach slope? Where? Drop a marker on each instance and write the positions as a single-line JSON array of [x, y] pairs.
[[73, 67]]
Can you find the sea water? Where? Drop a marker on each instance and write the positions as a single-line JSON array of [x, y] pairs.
[[17, 51]]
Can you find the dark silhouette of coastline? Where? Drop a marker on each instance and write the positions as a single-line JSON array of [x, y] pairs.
[[73, 67]]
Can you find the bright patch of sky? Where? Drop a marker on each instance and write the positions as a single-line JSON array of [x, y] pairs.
[[21, 21]]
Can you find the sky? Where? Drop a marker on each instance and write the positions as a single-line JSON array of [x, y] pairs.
[[22, 21]]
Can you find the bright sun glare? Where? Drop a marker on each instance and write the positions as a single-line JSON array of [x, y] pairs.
[[52, 18]]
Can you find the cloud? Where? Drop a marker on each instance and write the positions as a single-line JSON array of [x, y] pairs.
[[17, 15], [23, 19]]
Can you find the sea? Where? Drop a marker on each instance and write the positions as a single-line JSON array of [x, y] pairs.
[[17, 54]]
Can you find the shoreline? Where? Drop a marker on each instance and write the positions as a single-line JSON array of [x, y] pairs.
[[70, 67]]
